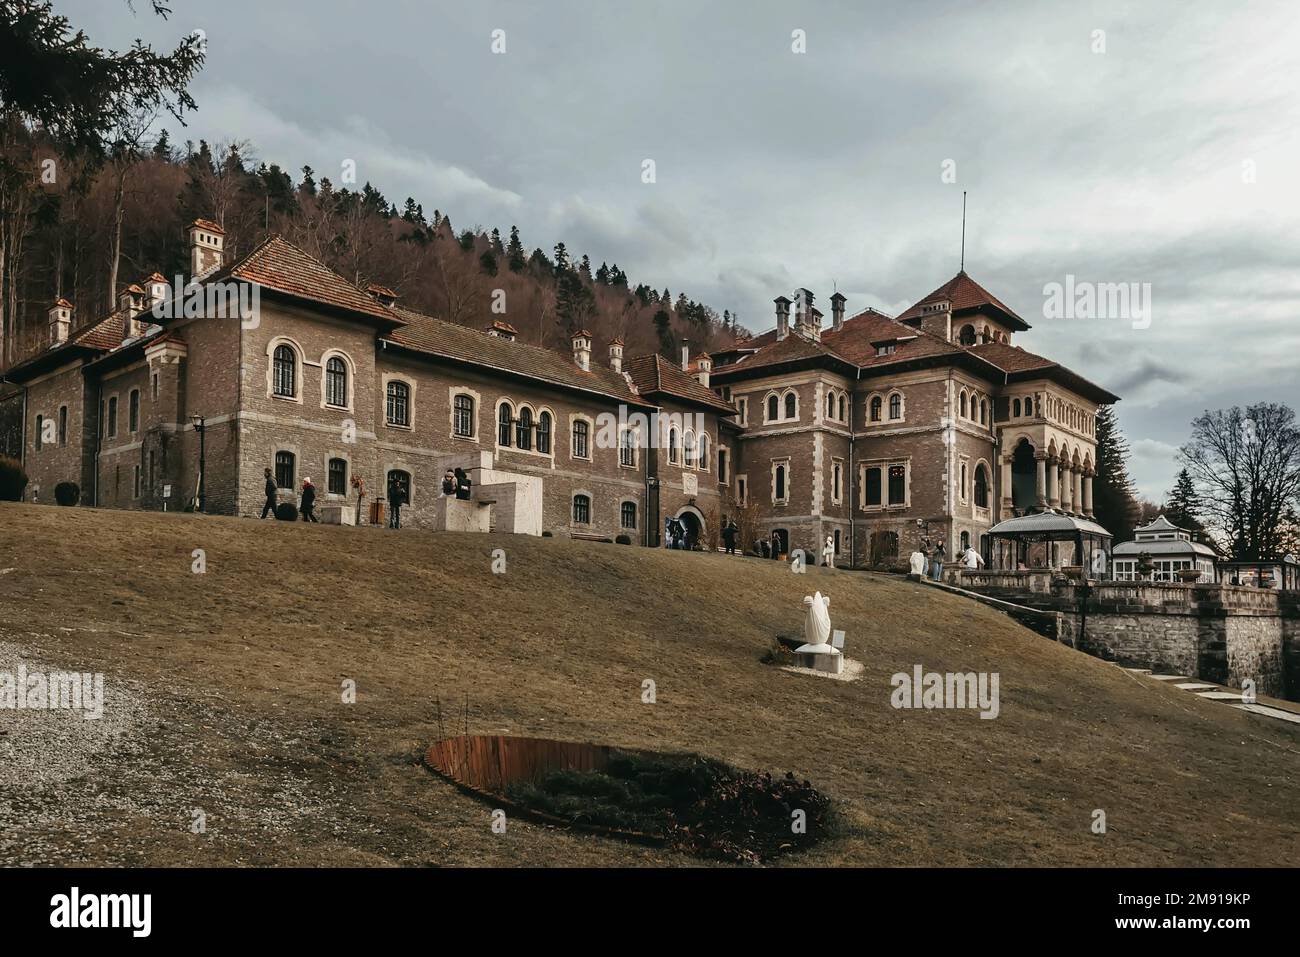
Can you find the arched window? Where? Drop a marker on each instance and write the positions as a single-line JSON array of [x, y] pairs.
[[505, 420], [981, 487], [984, 411], [524, 428], [688, 449], [963, 405], [285, 375], [133, 411], [779, 484], [336, 382], [965, 541], [875, 408], [967, 335], [773, 408], [843, 417], [581, 510], [962, 489], [830, 405], [1015, 408], [398, 404], [702, 451], [895, 406], [284, 472], [672, 446], [627, 515], [581, 432], [544, 433], [404, 480], [463, 415], [791, 405], [337, 477]]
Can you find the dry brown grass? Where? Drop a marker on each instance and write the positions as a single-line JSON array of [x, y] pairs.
[[243, 667]]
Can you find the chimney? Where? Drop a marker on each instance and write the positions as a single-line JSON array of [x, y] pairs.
[[803, 316], [837, 311], [582, 349], [782, 317], [158, 291], [131, 302], [686, 355], [60, 322], [207, 240], [703, 366], [502, 330], [616, 354]]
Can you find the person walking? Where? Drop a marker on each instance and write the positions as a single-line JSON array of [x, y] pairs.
[[396, 496], [729, 537], [936, 560], [308, 506], [463, 485], [271, 487], [972, 559]]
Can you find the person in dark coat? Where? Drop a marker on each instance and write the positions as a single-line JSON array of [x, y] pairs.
[[463, 485], [308, 506], [729, 537], [396, 496], [776, 545], [269, 507]]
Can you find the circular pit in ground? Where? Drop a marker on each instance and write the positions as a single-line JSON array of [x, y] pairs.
[[684, 801]]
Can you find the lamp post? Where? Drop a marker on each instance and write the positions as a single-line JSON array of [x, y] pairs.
[[199, 426]]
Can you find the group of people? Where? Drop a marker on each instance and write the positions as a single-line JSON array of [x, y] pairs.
[[935, 555], [454, 483]]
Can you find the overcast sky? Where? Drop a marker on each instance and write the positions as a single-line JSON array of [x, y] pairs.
[[1171, 158]]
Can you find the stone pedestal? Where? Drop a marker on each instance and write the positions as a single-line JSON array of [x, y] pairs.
[[345, 514], [820, 658], [459, 515]]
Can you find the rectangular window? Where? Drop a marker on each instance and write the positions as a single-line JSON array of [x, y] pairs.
[[743, 405], [627, 449], [898, 485], [338, 477], [627, 517], [63, 425], [837, 481], [112, 417], [284, 469], [135, 482], [155, 385], [40, 431], [581, 510], [133, 411], [581, 433], [152, 473], [463, 419], [871, 487]]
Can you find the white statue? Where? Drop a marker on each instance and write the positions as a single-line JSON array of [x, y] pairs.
[[817, 620], [828, 553], [918, 564]]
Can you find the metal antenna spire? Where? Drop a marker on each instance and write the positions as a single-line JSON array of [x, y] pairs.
[[963, 230]]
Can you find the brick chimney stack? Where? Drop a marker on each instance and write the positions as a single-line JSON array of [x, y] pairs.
[[207, 244], [703, 367], [616, 354], [582, 349], [60, 322], [782, 317], [837, 311]]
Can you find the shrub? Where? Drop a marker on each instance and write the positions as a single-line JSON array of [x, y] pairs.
[[13, 480], [286, 512], [624, 539], [67, 493]]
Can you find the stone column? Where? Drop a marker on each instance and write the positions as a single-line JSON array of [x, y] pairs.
[[1076, 497], [1067, 486], [1087, 494], [1054, 483], [1040, 484], [1007, 502]]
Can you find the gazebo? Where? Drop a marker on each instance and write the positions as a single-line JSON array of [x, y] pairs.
[[1050, 540], [1171, 550]]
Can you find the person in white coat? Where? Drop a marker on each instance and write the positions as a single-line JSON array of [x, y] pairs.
[[972, 559]]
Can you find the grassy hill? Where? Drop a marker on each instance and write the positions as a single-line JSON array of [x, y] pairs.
[[228, 702]]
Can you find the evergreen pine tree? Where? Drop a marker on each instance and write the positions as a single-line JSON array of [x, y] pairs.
[[1183, 505], [515, 252], [488, 262], [1113, 499], [496, 243]]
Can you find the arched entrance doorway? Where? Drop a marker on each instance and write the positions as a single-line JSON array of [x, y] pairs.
[[693, 524], [1024, 478]]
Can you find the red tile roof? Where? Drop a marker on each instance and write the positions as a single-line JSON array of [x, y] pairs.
[[655, 375], [965, 294], [209, 225], [448, 340], [280, 265]]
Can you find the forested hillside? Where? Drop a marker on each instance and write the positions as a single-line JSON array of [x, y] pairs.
[[82, 229]]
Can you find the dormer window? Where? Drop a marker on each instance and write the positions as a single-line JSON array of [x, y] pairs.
[[886, 349]]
